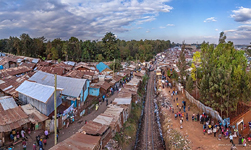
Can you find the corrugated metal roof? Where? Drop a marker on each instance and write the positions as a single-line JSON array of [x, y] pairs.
[[113, 110], [121, 101], [49, 69], [101, 66], [12, 118], [134, 82], [72, 86], [35, 60], [14, 71], [94, 128], [71, 63], [79, 141], [9, 84], [35, 90], [8, 102], [103, 120], [34, 115]]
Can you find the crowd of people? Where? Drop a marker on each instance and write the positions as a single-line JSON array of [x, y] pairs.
[[217, 128]]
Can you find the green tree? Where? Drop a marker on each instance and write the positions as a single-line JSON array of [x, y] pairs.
[[54, 53], [168, 73], [117, 66], [110, 48], [99, 57], [222, 38], [175, 75], [189, 84], [182, 65]]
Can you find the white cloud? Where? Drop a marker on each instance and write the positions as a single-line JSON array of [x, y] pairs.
[[216, 29], [161, 27], [211, 19], [242, 15], [243, 33], [147, 31], [170, 25], [88, 19]]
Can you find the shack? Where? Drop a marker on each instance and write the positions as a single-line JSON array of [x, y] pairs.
[[12, 117], [36, 118], [79, 141], [39, 95], [97, 129], [124, 103], [75, 90], [103, 68]]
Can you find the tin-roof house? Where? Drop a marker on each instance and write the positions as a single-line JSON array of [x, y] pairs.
[[39, 95], [103, 68], [12, 117], [74, 89]]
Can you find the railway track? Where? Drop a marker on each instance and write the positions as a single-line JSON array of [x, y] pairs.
[[149, 118]]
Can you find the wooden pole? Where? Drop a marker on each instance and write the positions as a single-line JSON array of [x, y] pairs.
[[113, 68], [55, 109]]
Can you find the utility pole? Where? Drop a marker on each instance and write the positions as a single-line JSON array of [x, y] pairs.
[[113, 68], [55, 109], [196, 83]]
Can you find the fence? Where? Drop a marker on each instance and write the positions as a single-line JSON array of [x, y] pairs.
[[204, 108], [207, 110]]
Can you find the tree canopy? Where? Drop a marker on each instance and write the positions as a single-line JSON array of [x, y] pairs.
[[75, 49], [225, 81]]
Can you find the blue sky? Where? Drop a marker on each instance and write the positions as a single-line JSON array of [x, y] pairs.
[[192, 21]]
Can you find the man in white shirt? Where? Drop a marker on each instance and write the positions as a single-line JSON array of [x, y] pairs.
[[231, 138]]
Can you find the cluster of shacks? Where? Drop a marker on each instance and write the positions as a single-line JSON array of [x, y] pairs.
[[104, 126], [27, 90]]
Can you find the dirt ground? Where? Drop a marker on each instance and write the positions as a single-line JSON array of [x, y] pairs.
[[194, 130]]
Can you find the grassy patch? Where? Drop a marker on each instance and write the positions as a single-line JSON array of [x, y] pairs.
[[127, 136]]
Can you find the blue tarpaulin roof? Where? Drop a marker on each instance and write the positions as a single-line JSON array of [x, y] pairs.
[[101, 66]]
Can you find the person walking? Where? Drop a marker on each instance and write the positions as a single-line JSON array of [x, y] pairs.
[[46, 133], [231, 138], [24, 144], [177, 105], [37, 139], [187, 116], [34, 146], [40, 144], [45, 142], [244, 142], [214, 131], [23, 133]]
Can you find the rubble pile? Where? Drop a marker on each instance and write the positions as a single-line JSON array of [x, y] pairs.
[[173, 138]]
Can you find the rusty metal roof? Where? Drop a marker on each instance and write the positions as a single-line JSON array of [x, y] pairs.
[[43, 63], [75, 74], [105, 85], [30, 65], [79, 141], [6, 59], [14, 71], [12, 118], [94, 128], [9, 84], [34, 115], [125, 93], [53, 70], [63, 65], [139, 74]]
